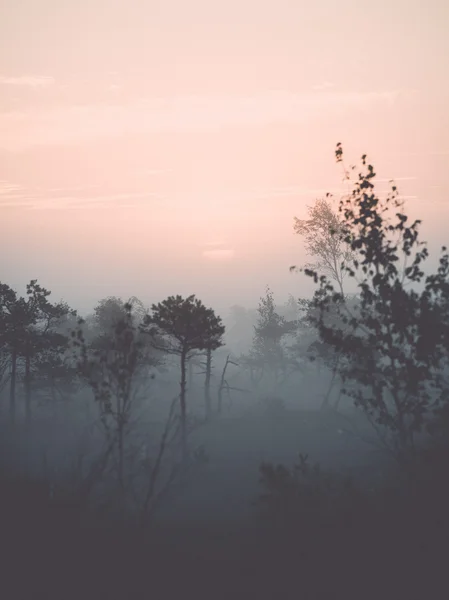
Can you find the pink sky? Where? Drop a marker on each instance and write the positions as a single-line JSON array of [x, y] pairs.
[[154, 148]]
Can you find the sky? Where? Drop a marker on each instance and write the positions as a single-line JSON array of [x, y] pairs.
[[150, 148]]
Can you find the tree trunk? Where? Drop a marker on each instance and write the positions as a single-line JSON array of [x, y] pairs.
[[325, 404], [121, 483], [221, 387], [12, 387], [207, 384], [190, 378], [182, 399], [337, 402], [120, 462], [28, 388], [220, 400], [251, 374]]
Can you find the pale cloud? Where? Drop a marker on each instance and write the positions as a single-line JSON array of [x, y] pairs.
[[325, 85], [219, 254], [213, 243], [28, 81], [378, 180], [180, 114], [155, 171], [420, 154], [101, 201], [7, 188], [18, 196]]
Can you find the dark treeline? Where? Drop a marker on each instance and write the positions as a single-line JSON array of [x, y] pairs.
[[292, 451]]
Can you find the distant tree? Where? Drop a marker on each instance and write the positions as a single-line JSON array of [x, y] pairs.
[[4, 369], [290, 309], [214, 344], [323, 241], [395, 343], [27, 333], [45, 347], [186, 326], [240, 327], [308, 346], [54, 375], [111, 311], [8, 299], [115, 370], [267, 350], [224, 385], [107, 313]]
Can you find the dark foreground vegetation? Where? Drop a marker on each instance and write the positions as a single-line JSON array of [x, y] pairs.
[[311, 543], [314, 463]]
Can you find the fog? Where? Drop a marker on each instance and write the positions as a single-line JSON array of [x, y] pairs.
[[66, 443], [181, 411]]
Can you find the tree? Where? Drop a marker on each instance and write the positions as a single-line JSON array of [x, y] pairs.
[[290, 310], [186, 326], [54, 375], [108, 312], [395, 342], [309, 346], [114, 370], [323, 240], [267, 349], [4, 369], [27, 333], [8, 299], [214, 344], [224, 385]]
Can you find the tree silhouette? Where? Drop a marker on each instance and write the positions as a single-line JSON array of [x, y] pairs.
[[213, 345], [115, 369], [185, 326], [323, 240], [8, 299], [27, 332], [267, 349], [395, 342]]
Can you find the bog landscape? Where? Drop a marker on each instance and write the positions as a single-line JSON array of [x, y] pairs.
[[224, 300]]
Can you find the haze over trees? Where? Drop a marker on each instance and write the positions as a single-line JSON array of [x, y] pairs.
[[31, 343], [186, 326], [143, 443], [395, 341], [323, 241]]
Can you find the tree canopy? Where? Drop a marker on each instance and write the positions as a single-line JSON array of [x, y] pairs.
[[396, 341]]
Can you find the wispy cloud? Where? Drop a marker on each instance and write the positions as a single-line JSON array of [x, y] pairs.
[[213, 243], [421, 154], [180, 114], [27, 81], [6, 188], [219, 254], [379, 180], [13, 195], [325, 85], [155, 171]]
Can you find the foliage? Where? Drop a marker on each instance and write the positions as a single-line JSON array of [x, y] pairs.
[[267, 350], [29, 336], [395, 342], [117, 370], [185, 324], [322, 232], [54, 375], [108, 313], [301, 492], [181, 326], [8, 297]]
